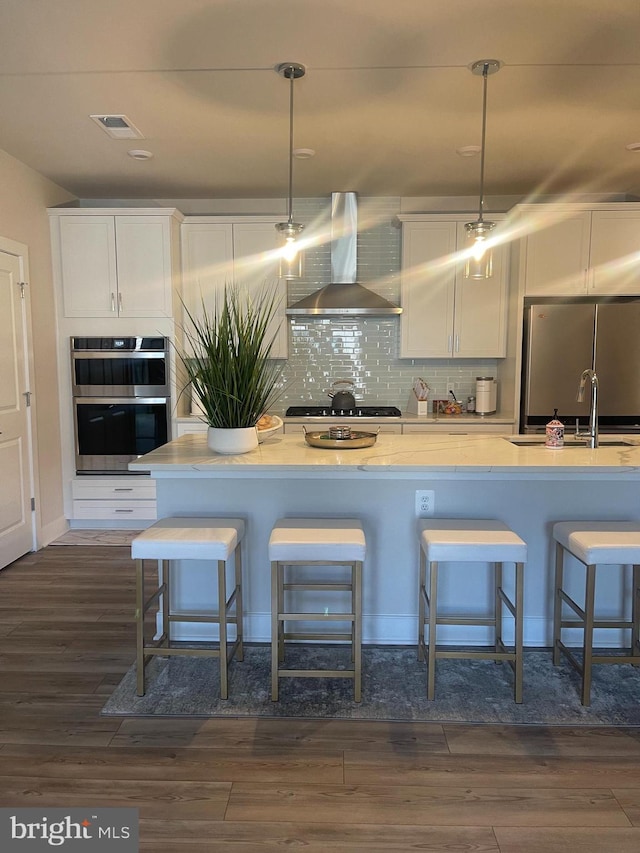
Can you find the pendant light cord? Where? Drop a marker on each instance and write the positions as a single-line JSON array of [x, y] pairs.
[[485, 73], [290, 202]]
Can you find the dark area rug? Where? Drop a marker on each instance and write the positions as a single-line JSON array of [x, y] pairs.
[[393, 688]]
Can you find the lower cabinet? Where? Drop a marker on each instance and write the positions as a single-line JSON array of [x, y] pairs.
[[458, 429], [189, 428], [292, 429], [122, 499]]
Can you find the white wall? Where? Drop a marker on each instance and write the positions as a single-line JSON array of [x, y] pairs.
[[24, 199]]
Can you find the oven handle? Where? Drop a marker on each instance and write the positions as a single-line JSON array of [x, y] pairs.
[[121, 353], [118, 400]]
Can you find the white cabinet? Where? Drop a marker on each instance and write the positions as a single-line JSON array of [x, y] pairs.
[[454, 428], [193, 427], [315, 426], [220, 251], [120, 500], [116, 265], [571, 251], [444, 314]]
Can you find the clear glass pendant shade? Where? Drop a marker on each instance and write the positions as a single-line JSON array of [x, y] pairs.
[[291, 254], [479, 255]]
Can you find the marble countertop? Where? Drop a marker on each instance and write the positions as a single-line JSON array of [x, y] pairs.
[[290, 455]]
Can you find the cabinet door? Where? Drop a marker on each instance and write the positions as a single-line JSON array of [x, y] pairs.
[[428, 289], [88, 266], [255, 266], [207, 264], [480, 320], [615, 252], [143, 250], [557, 256]]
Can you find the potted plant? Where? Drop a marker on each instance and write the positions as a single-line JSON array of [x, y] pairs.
[[227, 364]]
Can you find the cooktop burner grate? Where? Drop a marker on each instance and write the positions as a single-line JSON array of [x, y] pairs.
[[328, 412]]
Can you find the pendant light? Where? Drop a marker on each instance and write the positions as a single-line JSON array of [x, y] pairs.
[[291, 257], [479, 262]]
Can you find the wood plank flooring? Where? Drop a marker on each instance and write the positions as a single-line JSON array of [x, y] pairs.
[[245, 785]]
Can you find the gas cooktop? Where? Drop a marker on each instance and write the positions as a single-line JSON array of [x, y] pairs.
[[328, 412]]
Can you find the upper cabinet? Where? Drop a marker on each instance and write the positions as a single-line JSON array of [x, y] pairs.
[[571, 251], [218, 251], [445, 315], [112, 264]]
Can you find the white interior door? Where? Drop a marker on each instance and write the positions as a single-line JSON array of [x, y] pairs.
[[16, 534]]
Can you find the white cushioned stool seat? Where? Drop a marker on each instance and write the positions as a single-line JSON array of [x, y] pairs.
[[597, 545], [317, 539], [179, 538], [468, 540], [319, 542], [464, 540], [214, 540], [601, 542]]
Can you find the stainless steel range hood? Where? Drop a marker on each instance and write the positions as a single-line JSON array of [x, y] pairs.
[[344, 296]]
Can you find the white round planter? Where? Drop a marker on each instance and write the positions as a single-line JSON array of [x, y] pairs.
[[230, 441]]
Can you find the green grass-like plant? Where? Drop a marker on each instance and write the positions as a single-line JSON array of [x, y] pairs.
[[226, 358]]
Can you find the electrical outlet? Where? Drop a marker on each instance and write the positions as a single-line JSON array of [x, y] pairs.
[[425, 502]]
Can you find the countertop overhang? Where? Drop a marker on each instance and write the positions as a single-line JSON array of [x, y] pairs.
[[399, 455]]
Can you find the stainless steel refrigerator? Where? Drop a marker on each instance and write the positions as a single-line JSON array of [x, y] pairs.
[[561, 338]]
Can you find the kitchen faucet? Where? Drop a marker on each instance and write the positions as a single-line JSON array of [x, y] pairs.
[[592, 435]]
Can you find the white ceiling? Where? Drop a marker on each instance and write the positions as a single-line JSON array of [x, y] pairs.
[[387, 98]]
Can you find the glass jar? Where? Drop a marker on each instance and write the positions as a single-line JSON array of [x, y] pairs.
[[471, 404]]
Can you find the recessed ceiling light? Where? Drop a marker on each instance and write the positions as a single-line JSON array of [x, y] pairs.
[[140, 154], [633, 146], [303, 153], [117, 126], [468, 150]]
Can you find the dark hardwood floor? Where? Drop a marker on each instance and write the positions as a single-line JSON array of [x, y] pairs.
[[244, 785]]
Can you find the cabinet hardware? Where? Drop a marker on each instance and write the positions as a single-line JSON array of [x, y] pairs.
[[119, 303], [124, 510], [130, 489], [113, 302]]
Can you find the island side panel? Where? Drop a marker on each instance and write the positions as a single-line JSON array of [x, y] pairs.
[[386, 505]]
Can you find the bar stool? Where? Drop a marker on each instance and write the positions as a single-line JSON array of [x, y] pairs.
[[324, 542], [597, 545], [169, 539], [464, 541]]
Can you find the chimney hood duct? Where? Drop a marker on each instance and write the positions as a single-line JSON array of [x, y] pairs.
[[344, 296]]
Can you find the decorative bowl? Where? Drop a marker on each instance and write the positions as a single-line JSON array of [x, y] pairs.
[[276, 424]]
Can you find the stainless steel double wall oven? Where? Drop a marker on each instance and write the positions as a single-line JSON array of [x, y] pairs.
[[121, 400]]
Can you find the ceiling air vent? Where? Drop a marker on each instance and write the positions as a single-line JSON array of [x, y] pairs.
[[118, 127]]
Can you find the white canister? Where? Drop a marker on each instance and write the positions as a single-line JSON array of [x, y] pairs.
[[486, 395]]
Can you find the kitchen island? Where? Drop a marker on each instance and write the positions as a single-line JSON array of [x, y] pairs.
[[528, 487]]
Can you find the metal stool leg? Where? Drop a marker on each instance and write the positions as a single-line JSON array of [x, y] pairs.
[[519, 632], [239, 603], [275, 628], [557, 603], [498, 607], [433, 619], [422, 592], [635, 611], [140, 627], [357, 630], [589, 603], [222, 615]]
